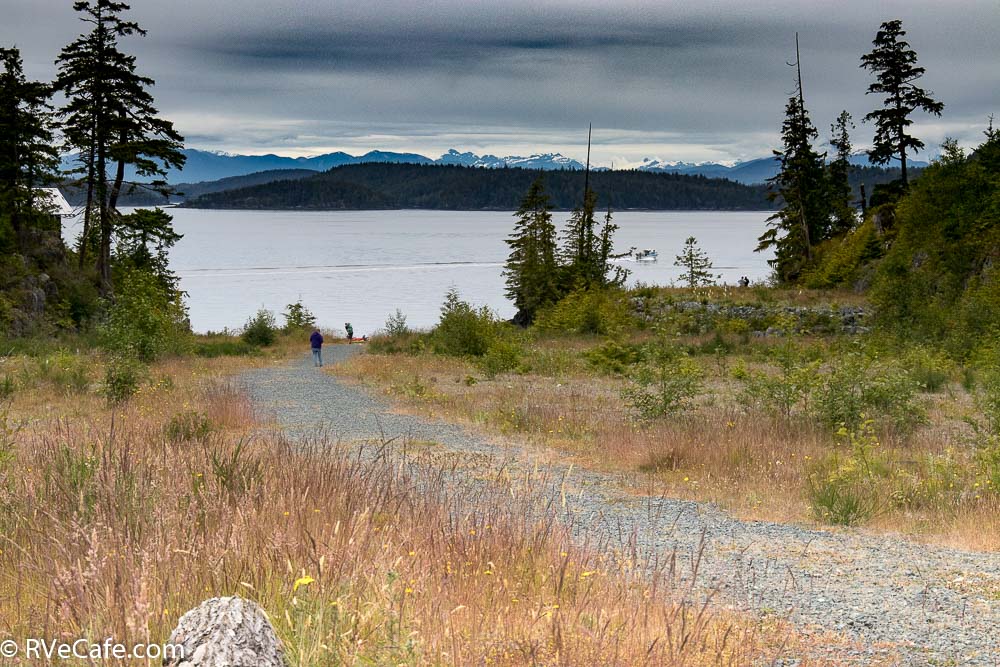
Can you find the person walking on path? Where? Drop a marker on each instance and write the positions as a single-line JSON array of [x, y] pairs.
[[350, 332], [316, 341]]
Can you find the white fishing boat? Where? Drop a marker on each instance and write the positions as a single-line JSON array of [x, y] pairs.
[[646, 255]]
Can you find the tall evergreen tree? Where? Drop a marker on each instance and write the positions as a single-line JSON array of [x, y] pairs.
[[579, 250], [531, 270], [696, 264], [839, 172], [27, 155], [110, 120], [804, 217], [894, 65], [801, 185]]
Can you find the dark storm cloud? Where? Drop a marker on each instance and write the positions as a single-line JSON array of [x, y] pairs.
[[676, 80]]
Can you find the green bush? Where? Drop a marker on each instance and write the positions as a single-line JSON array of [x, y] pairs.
[[599, 312], [857, 385], [67, 371], [72, 474], [7, 387], [844, 489], [260, 330], [188, 425], [236, 471], [226, 347], [551, 362], [613, 357], [298, 317], [464, 330], [665, 384], [122, 379], [841, 261], [502, 356], [145, 320], [414, 342], [988, 390], [787, 390], [930, 369], [395, 324]]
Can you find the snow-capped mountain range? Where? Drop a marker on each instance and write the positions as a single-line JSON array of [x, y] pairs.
[[204, 166]]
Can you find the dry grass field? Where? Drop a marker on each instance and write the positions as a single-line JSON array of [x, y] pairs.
[[114, 520]]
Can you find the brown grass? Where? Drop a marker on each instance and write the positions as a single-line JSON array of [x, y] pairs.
[[753, 463], [108, 527]]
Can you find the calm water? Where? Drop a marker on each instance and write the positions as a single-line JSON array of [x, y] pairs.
[[359, 266]]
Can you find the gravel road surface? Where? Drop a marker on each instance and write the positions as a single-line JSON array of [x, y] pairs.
[[929, 605]]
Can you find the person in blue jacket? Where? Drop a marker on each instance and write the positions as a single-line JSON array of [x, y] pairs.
[[316, 341]]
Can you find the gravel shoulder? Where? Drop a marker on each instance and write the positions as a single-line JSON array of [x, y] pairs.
[[930, 605]]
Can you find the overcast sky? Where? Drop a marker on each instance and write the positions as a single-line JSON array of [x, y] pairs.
[[664, 79]]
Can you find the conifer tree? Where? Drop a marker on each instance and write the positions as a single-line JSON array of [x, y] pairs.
[[27, 156], [838, 171], [531, 270], [894, 65], [804, 218], [580, 251], [110, 120], [801, 185], [696, 264]]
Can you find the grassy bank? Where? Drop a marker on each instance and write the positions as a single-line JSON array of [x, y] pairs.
[[777, 404], [117, 518]]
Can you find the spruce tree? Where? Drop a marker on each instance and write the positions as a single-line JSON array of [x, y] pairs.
[[801, 185], [579, 249], [27, 155], [894, 65], [110, 120], [696, 264], [531, 269], [839, 171]]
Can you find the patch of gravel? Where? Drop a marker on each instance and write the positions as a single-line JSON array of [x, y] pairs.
[[929, 605]]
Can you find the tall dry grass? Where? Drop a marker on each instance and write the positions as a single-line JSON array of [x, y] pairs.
[[115, 522], [752, 462]]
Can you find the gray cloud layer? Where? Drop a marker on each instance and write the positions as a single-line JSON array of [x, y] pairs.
[[674, 80]]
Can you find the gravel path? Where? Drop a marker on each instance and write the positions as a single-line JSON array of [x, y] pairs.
[[931, 605]]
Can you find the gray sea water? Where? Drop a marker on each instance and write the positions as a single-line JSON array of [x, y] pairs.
[[360, 266]]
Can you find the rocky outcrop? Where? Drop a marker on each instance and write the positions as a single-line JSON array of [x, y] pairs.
[[226, 632]]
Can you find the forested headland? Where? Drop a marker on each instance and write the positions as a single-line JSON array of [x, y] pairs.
[[452, 187]]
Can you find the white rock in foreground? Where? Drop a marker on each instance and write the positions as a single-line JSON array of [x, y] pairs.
[[226, 632]]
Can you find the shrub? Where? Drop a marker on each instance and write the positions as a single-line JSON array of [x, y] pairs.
[[260, 330], [502, 356], [236, 470], [122, 378], [226, 347], [298, 317], [843, 490], [664, 384], [71, 473], [66, 371], [784, 392], [988, 392], [146, 320], [395, 324], [600, 312], [464, 330], [928, 368], [7, 387], [186, 426], [613, 357], [552, 362], [857, 385]]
